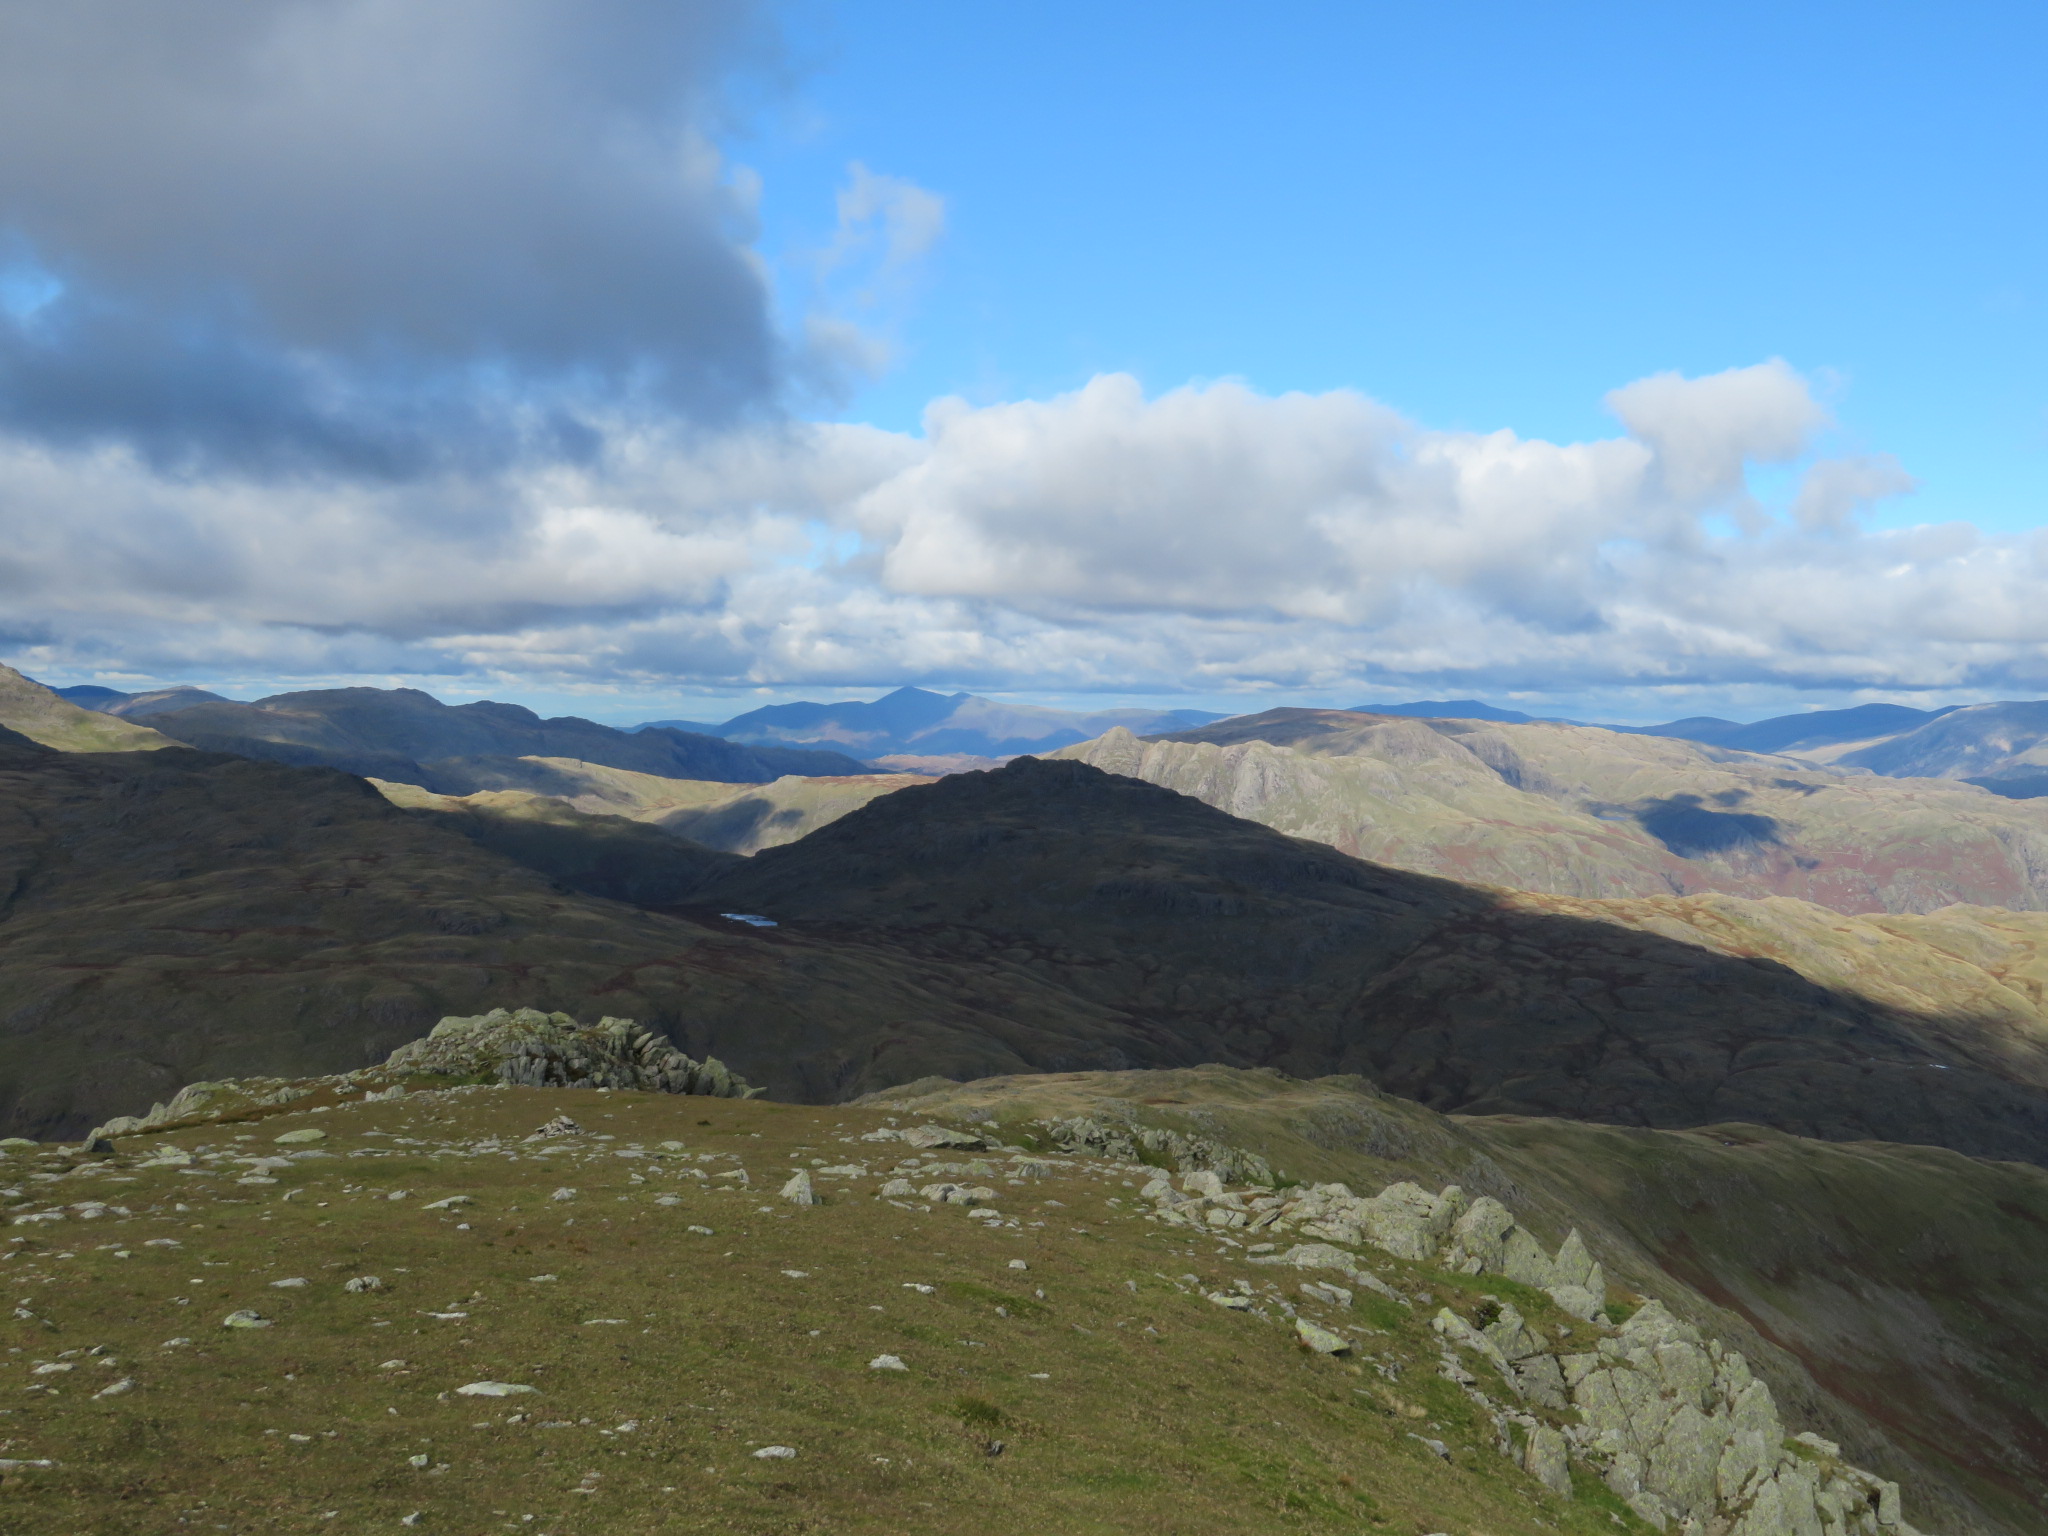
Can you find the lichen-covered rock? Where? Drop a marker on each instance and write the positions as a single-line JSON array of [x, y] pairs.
[[1545, 1460], [1320, 1339], [798, 1190], [1478, 1239], [1134, 1143], [527, 1048], [928, 1137]]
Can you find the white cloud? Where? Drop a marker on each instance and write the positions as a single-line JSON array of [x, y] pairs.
[[1835, 490], [1209, 538], [1705, 430]]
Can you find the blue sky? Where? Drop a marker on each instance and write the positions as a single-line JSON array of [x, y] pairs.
[[1483, 215], [667, 357]]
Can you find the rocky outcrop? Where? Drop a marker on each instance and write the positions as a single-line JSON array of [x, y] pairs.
[[1674, 1422], [1682, 1431], [521, 1047], [1147, 1144], [531, 1049]]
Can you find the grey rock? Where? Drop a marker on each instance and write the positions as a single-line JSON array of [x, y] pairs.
[[929, 1136], [1524, 1261], [1545, 1460], [798, 1190], [1478, 1238], [524, 1047], [1577, 1300], [1542, 1381], [245, 1319]]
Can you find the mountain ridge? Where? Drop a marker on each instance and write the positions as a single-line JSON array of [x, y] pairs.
[[399, 734], [915, 723], [1582, 812], [173, 912]]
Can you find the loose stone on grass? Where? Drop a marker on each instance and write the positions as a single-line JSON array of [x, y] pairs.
[[1321, 1339], [798, 1190]]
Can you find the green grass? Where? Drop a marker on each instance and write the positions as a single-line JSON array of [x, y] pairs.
[[1092, 1407]]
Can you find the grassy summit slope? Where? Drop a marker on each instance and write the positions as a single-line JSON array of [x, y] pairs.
[[1580, 811], [39, 714], [1066, 1367], [1890, 1295]]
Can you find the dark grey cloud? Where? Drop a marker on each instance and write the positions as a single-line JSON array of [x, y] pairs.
[[372, 234]]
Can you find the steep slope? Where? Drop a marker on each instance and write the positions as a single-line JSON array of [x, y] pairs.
[[1581, 811], [1889, 1295], [392, 733], [781, 812], [614, 857], [1796, 734], [1983, 743], [914, 722], [139, 706], [173, 916], [177, 916], [1220, 940], [41, 715]]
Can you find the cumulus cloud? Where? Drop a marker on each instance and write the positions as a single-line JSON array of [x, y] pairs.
[[1208, 538], [1705, 431], [372, 236], [1835, 490]]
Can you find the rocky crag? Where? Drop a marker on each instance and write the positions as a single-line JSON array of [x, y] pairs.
[[520, 1047], [1673, 1421]]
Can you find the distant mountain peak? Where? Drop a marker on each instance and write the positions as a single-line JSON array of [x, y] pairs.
[[913, 722]]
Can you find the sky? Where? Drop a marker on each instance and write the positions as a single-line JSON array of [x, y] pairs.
[[640, 359]]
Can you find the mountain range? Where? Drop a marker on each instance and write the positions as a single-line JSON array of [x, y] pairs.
[[1581, 811], [396, 733], [409, 736], [173, 913], [1823, 1130], [911, 727]]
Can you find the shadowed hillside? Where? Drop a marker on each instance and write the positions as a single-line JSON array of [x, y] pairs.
[[1220, 940], [178, 916], [396, 733]]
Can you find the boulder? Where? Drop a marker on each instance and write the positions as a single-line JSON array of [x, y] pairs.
[[1543, 1457], [1320, 1339], [930, 1136], [798, 1190]]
